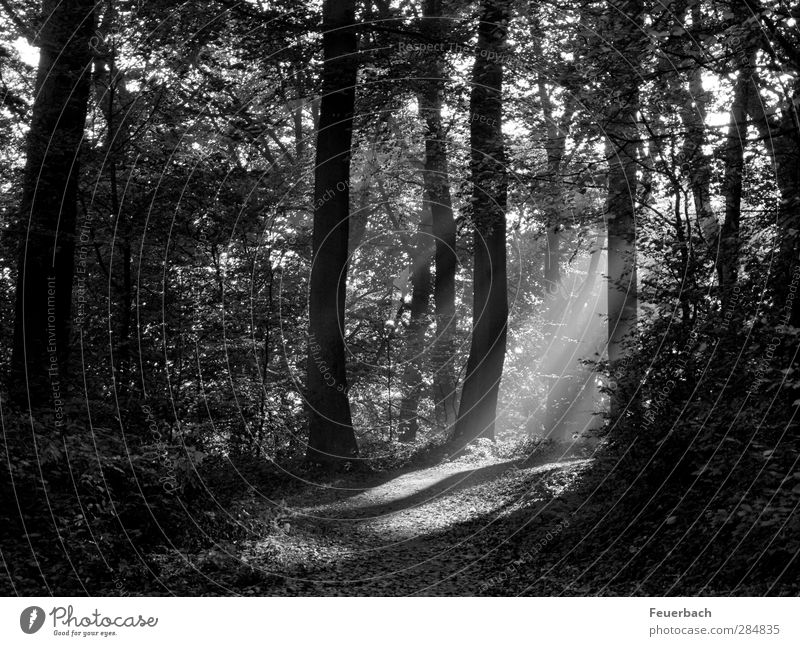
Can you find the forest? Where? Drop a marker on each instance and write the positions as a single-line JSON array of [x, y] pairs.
[[399, 297]]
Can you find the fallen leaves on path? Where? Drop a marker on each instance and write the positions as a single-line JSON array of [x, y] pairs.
[[444, 530]]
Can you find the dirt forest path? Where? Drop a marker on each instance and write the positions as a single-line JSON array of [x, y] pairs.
[[436, 531]]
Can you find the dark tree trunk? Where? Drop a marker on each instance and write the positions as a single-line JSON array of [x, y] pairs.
[[556, 146], [693, 115], [49, 207], [781, 136], [478, 407], [728, 254], [263, 412], [331, 437], [621, 145], [683, 237], [437, 196], [297, 119], [415, 346], [787, 161], [560, 379], [113, 95], [690, 99]]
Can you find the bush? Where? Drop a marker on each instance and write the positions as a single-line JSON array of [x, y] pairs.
[[89, 501]]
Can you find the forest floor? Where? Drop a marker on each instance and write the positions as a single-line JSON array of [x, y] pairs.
[[449, 529]]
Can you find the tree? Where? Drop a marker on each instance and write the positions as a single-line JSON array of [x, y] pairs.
[[555, 148], [693, 109], [478, 406], [116, 102], [622, 141], [331, 436], [556, 304], [48, 209], [437, 196], [779, 132], [728, 256]]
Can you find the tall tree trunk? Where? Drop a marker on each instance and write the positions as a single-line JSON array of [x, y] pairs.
[[437, 196], [263, 413], [690, 99], [728, 254], [557, 400], [116, 101], [556, 146], [621, 144], [683, 236], [478, 407], [781, 137], [693, 116], [331, 437], [788, 174], [415, 346], [49, 206]]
